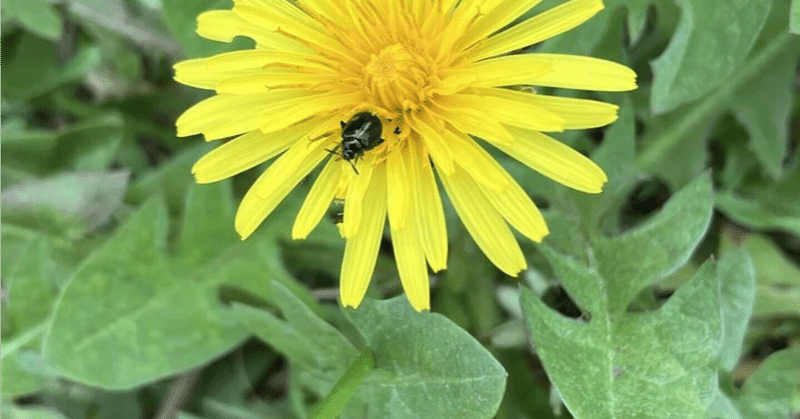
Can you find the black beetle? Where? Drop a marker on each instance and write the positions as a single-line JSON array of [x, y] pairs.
[[360, 134]]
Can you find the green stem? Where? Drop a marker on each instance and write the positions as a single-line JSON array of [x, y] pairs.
[[708, 107], [346, 386]]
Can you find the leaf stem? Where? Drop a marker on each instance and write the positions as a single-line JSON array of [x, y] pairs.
[[343, 390], [707, 107]]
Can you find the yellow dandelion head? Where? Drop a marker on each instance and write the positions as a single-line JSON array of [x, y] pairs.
[[391, 93]]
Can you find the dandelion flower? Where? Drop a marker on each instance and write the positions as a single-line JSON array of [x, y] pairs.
[[437, 73]]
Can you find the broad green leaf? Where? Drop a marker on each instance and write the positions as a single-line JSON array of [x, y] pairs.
[[634, 259], [91, 144], [30, 289], [616, 155], [773, 390], [21, 372], [116, 16], [425, 366], [11, 411], [778, 278], [302, 337], [764, 105], [776, 301], [772, 266], [172, 179], [637, 19], [133, 314], [794, 17], [757, 214], [32, 70], [766, 207], [708, 45], [78, 201], [639, 364], [686, 129], [37, 16], [737, 280], [26, 152]]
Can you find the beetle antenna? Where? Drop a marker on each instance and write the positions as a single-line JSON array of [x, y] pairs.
[[353, 166]]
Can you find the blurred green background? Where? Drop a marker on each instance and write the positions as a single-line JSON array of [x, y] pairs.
[[127, 294]]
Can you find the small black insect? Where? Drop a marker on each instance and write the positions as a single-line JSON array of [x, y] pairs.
[[360, 134], [337, 217]]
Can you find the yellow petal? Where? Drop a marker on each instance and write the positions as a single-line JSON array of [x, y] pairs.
[[411, 264], [432, 138], [224, 25], [511, 108], [223, 116], [264, 81], [573, 113], [259, 59], [195, 73], [361, 250], [509, 71], [296, 110], [476, 161], [518, 209], [538, 28], [584, 73], [285, 18], [484, 222], [500, 15], [275, 183], [556, 161], [239, 154], [317, 201], [472, 121], [399, 185], [428, 211], [356, 194], [577, 113]]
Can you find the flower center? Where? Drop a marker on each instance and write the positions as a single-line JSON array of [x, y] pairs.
[[396, 79]]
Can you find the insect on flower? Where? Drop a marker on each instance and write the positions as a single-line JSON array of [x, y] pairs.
[[360, 134], [438, 76]]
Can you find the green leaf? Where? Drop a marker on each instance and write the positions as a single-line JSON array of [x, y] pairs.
[[686, 129], [79, 202], [778, 278], [23, 371], [708, 45], [773, 389], [766, 207], [794, 17], [639, 364], [11, 411], [172, 179], [302, 337], [737, 279], [616, 155], [91, 144], [37, 16], [30, 289], [764, 105], [425, 365], [634, 259], [116, 16], [32, 69], [132, 314]]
